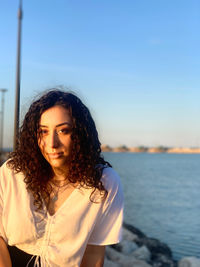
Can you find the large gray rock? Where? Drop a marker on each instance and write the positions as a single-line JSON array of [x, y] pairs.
[[128, 235], [114, 255], [155, 247], [134, 230], [189, 262], [108, 263], [126, 247], [122, 260], [162, 260], [142, 253], [136, 249], [136, 263]]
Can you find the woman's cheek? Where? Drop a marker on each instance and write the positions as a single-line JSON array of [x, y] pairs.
[[41, 145]]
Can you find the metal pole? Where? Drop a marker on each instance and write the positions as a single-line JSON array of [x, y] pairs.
[[17, 96], [2, 118]]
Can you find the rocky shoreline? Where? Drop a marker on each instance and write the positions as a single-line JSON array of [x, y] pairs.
[[138, 250]]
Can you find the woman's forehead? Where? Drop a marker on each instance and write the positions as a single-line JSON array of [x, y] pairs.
[[55, 115]]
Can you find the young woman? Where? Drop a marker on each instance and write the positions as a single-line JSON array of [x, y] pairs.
[[61, 203]]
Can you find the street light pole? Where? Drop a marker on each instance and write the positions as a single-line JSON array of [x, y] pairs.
[[17, 96], [2, 90]]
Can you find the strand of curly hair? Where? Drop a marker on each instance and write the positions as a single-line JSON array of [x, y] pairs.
[[86, 162]]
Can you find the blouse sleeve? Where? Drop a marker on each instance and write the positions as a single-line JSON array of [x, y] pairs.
[[108, 228], [2, 232]]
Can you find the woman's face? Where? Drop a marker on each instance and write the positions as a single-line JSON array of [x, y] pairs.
[[54, 136]]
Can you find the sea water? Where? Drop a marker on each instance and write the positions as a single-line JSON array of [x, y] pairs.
[[162, 197]]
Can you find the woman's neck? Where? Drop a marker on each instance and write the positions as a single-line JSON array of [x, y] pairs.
[[60, 174]]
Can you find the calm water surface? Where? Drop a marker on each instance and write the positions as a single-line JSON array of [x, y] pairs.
[[162, 197]]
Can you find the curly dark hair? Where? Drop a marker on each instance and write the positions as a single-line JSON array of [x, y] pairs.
[[86, 162]]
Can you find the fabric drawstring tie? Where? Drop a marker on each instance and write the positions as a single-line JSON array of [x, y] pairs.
[[36, 263]]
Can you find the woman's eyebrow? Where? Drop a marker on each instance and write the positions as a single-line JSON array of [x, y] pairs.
[[58, 125], [64, 123]]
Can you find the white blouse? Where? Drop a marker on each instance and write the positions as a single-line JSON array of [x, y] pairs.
[[60, 239]]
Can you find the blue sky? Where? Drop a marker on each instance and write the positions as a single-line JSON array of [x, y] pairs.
[[135, 64]]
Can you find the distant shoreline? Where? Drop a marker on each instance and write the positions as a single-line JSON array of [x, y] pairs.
[[139, 149], [160, 149]]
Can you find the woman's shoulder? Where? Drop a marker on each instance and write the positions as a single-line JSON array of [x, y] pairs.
[[5, 167], [110, 178], [8, 174]]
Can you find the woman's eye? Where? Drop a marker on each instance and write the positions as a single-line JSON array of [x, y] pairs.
[[43, 132], [64, 131]]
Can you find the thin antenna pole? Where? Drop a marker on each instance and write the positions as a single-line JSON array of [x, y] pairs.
[[17, 92], [2, 90]]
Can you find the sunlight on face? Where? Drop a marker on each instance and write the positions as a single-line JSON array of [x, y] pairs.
[[54, 136]]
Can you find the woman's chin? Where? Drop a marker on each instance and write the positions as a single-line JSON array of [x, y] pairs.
[[58, 163]]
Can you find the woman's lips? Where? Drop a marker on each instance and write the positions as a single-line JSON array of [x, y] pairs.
[[54, 155]]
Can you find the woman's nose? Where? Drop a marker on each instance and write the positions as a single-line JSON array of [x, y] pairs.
[[53, 140]]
